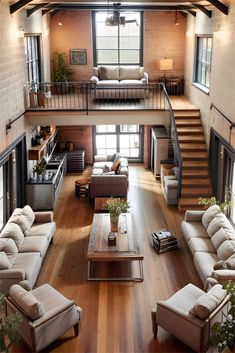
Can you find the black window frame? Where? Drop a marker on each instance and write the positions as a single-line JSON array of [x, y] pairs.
[[141, 44], [198, 61], [34, 59]]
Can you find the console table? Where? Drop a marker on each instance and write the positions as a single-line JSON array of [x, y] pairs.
[[174, 84]]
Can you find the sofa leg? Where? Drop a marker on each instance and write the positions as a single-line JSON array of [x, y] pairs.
[[76, 329], [154, 323]]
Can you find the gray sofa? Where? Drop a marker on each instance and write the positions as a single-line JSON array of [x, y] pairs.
[[119, 82], [109, 176], [211, 240], [23, 245]]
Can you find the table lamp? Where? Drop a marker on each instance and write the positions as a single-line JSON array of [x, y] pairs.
[[166, 65]]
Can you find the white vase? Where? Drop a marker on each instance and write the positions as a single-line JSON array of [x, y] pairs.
[[39, 177]]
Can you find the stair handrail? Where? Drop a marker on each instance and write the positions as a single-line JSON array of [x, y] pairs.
[[172, 134]]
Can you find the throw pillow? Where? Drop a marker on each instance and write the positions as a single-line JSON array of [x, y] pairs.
[[29, 215], [27, 302], [8, 246], [22, 222], [106, 169], [220, 265], [209, 214], [115, 165], [207, 302], [220, 221], [4, 261], [226, 249], [13, 231], [231, 262]]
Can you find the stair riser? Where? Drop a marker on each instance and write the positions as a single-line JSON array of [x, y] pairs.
[[188, 132], [194, 158], [196, 193]]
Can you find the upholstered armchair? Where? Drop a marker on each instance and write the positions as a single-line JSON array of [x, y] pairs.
[[190, 313], [46, 314]]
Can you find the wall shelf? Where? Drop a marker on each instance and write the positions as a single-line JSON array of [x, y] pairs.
[[36, 153]]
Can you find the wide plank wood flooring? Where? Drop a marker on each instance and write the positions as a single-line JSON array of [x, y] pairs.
[[116, 315]]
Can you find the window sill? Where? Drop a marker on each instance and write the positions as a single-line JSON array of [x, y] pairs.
[[201, 87]]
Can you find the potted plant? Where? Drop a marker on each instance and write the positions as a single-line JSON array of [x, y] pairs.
[[60, 72], [116, 206], [8, 326], [223, 333], [39, 169], [33, 88], [209, 201]]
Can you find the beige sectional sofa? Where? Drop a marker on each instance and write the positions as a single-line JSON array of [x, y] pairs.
[[119, 82], [211, 240], [23, 245]]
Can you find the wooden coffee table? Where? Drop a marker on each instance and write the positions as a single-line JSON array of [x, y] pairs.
[[125, 251]]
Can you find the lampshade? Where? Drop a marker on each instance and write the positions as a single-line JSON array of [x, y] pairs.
[[166, 64]]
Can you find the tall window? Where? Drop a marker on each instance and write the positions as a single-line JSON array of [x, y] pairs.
[[118, 45], [203, 60], [32, 58], [126, 139]]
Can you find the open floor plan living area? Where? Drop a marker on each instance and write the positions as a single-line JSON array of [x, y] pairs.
[[117, 176]]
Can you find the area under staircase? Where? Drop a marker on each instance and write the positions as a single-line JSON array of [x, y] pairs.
[[195, 180]]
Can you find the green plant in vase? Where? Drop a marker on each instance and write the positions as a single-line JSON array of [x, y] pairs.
[[8, 326], [209, 201], [223, 333], [60, 72], [116, 206], [39, 169]]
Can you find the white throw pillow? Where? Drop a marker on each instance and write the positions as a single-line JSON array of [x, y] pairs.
[[13, 231], [207, 302], [221, 235], [27, 302], [22, 222], [4, 261], [29, 215], [230, 262], [209, 214], [8, 246], [220, 221], [129, 73]]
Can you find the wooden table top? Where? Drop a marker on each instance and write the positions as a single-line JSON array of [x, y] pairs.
[[126, 247]]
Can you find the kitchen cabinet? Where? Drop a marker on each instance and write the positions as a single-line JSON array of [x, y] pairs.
[[36, 153]]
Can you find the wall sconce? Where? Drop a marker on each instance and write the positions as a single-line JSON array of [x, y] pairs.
[[176, 18], [166, 65], [21, 33]]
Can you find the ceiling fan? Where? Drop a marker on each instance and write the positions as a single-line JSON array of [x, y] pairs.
[[115, 19]]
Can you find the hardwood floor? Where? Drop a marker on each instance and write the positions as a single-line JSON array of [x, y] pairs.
[[116, 315]]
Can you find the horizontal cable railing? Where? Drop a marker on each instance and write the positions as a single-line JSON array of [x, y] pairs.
[[87, 96]]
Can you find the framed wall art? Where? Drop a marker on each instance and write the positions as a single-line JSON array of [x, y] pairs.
[[78, 56]]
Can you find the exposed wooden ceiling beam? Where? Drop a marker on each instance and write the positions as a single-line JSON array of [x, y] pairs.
[[185, 8], [208, 13], [35, 8], [220, 6], [19, 5]]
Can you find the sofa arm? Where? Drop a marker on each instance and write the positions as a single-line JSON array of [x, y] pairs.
[[193, 216], [146, 77], [223, 275], [171, 184], [43, 217], [94, 79], [101, 158]]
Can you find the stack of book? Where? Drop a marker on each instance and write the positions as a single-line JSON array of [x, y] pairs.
[[164, 241]]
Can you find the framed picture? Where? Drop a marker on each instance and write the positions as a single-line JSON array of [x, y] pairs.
[[78, 56]]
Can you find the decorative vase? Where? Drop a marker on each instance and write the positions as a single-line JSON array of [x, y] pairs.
[[39, 177], [114, 223]]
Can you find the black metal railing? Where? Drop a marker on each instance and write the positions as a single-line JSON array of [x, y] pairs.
[[87, 96], [172, 133]]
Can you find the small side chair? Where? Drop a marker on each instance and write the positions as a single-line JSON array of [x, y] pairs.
[[46, 314]]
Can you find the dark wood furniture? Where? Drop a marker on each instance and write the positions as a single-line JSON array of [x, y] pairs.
[[75, 161], [174, 84], [126, 249]]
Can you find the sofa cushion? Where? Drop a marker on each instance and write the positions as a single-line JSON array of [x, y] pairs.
[[193, 230], [97, 171], [35, 243], [209, 214], [129, 73], [101, 165], [220, 221], [124, 83], [8, 246], [27, 302], [45, 229], [22, 223], [13, 231], [208, 302], [201, 244], [204, 263], [4, 261], [226, 249], [230, 262], [106, 83], [108, 72], [221, 235], [29, 214], [31, 263]]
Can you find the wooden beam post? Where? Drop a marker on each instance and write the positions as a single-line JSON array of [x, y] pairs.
[[35, 8], [208, 13], [220, 6], [19, 5]]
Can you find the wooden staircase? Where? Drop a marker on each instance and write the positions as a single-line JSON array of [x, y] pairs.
[[195, 168]]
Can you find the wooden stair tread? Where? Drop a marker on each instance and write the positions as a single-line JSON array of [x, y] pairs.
[[196, 182], [190, 114], [193, 146], [190, 122], [192, 155], [192, 173], [190, 130], [200, 192], [191, 138], [193, 164]]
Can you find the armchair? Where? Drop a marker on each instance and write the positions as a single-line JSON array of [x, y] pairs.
[[180, 314], [46, 314]]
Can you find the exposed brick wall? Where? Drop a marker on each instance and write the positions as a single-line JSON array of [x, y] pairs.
[[80, 136], [75, 33]]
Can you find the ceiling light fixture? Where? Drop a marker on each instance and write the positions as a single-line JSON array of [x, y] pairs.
[[60, 23], [176, 18]]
